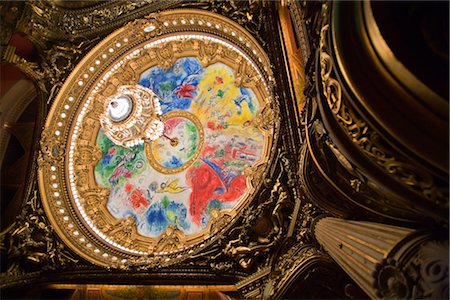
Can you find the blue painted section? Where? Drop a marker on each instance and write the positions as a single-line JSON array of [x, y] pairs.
[[165, 213], [177, 86]]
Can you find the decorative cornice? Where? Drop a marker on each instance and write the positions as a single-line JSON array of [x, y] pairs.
[[50, 22], [372, 145]]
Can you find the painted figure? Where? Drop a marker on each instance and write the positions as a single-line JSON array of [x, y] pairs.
[[214, 181], [171, 187]]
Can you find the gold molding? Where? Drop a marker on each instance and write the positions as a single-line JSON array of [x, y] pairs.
[[369, 141], [67, 180], [149, 149], [439, 104]]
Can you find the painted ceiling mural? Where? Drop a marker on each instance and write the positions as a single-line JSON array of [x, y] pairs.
[[212, 151], [119, 195]]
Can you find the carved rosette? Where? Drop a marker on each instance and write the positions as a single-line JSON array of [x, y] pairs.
[[74, 202]]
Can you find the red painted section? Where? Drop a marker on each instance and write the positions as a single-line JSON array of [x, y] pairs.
[[170, 124], [9, 75], [24, 47], [137, 199], [236, 189], [206, 184], [211, 125], [185, 91], [203, 181]]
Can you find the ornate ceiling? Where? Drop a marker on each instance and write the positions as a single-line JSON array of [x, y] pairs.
[[118, 199], [253, 147]]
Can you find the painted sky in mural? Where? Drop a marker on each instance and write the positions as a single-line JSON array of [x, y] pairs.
[[214, 179]]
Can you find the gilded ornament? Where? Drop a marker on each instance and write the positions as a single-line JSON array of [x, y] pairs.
[[255, 173], [100, 97], [218, 221], [122, 231], [169, 241], [88, 155], [153, 149], [265, 120], [246, 76], [208, 51], [366, 138], [165, 55]]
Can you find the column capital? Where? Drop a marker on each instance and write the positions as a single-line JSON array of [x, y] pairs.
[[387, 261]]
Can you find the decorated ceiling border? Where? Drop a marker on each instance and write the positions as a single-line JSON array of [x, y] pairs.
[[54, 22], [56, 152], [83, 158]]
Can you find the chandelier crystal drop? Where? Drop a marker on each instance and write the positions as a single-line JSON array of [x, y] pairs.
[[131, 116]]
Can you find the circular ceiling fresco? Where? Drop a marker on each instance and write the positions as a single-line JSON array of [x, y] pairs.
[[158, 139]]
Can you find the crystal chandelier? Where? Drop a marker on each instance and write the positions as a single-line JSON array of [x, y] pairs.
[[131, 116]]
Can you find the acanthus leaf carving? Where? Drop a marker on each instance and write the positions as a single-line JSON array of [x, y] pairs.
[[267, 221]]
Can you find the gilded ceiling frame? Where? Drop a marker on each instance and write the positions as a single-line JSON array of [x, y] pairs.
[[212, 38]]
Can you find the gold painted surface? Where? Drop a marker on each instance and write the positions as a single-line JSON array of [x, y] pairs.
[[294, 56], [151, 147]]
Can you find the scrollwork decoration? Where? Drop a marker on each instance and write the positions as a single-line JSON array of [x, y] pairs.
[[367, 139], [268, 221], [31, 244]]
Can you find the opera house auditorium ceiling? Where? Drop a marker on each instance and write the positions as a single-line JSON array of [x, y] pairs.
[[224, 150]]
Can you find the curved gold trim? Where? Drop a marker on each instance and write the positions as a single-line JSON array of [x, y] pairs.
[[149, 149], [333, 184], [439, 104], [421, 108], [61, 233]]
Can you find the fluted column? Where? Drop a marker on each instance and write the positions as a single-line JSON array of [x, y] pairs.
[[387, 261]]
